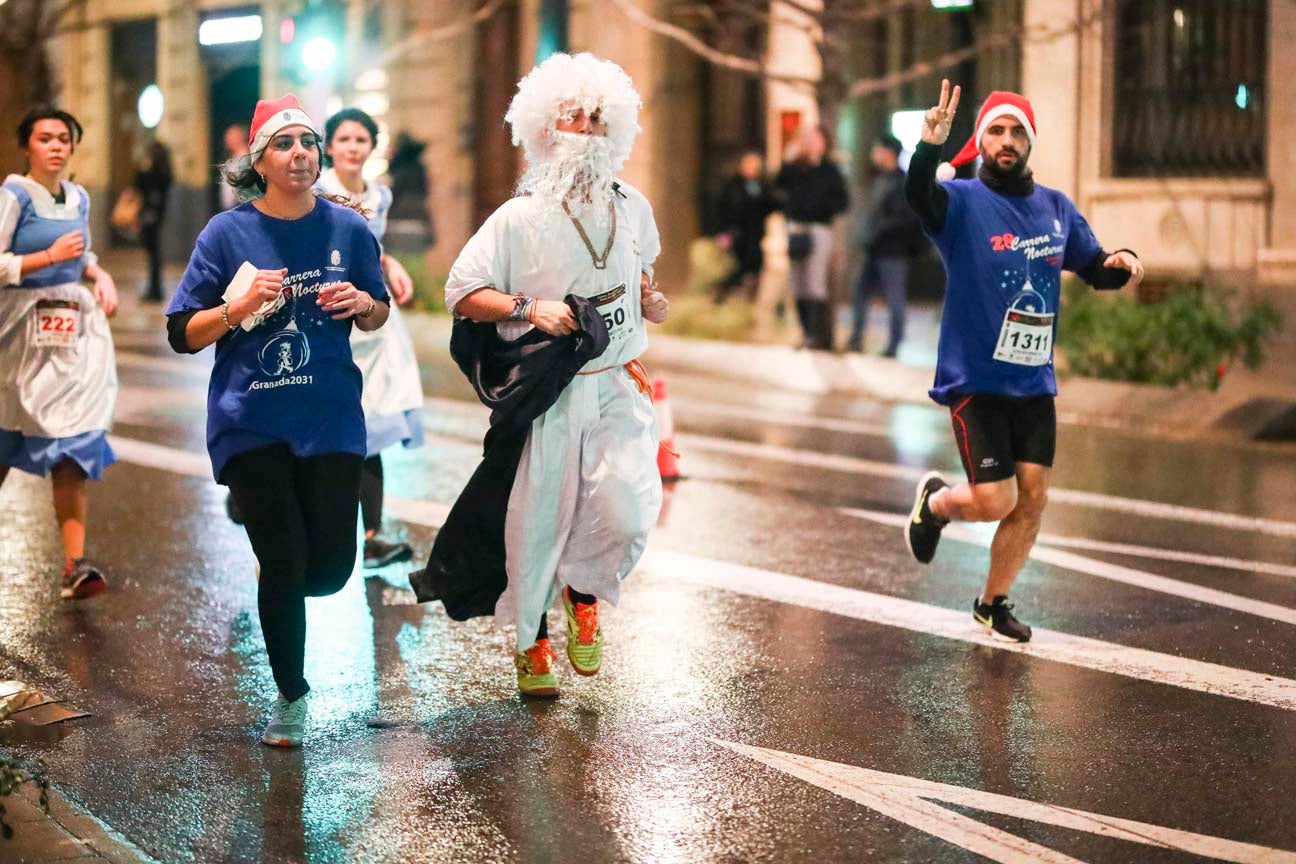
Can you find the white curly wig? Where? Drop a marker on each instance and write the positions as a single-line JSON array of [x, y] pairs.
[[563, 82]]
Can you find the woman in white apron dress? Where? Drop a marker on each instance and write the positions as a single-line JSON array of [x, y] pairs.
[[58, 387], [393, 395]]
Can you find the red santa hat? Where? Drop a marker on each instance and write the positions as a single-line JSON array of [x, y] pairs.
[[272, 116], [998, 104]]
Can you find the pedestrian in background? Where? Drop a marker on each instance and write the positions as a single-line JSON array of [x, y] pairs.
[[812, 193], [745, 203], [891, 237], [235, 139], [393, 395], [58, 373], [409, 224], [276, 284], [153, 183]]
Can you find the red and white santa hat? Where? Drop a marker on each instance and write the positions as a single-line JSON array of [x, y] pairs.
[[272, 116], [998, 104]]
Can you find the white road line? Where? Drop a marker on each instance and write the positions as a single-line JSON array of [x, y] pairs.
[[911, 800], [938, 621], [888, 470], [891, 471], [861, 605], [1103, 570], [1263, 567]]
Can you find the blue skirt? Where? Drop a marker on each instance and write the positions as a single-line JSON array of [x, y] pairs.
[[405, 428], [37, 455]]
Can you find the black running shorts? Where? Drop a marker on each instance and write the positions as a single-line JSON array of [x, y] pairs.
[[995, 432]]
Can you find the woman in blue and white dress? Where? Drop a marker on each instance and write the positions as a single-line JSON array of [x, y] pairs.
[[58, 386], [392, 396]]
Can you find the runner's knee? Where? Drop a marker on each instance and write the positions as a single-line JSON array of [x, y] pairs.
[[994, 501]]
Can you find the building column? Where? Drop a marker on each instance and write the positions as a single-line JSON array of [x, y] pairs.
[[184, 129], [1051, 80], [87, 68], [1277, 258]]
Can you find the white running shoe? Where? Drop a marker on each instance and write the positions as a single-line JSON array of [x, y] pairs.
[[288, 724]]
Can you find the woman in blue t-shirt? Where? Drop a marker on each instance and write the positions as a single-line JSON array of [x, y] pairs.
[[276, 284], [58, 387], [392, 396]]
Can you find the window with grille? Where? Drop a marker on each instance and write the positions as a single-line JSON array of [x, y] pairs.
[[1189, 88]]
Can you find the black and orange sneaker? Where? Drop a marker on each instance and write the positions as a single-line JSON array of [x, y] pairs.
[[82, 579]]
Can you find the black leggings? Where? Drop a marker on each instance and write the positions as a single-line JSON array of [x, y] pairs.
[[371, 494], [300, 514]]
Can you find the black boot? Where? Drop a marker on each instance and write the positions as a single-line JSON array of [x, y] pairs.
[[805, 316]]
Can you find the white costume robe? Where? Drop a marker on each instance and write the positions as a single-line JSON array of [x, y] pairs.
[[587, 489]]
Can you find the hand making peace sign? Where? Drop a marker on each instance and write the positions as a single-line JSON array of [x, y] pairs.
[[936, 123]]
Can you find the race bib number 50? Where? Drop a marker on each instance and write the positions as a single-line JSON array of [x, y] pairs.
[[614, 307], [58, 323]]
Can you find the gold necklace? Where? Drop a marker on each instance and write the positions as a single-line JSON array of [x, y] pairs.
[[600, 262]]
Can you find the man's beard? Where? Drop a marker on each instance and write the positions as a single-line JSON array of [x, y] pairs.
[[1017, 169], [579, 171]]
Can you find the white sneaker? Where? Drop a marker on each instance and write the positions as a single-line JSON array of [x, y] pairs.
[[288, 724]]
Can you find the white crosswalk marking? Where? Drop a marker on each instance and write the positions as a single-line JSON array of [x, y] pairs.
[[913, 802]]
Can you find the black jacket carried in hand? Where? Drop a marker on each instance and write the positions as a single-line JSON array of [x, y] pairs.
[[518, 381]]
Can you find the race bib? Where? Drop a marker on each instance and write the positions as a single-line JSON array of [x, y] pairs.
[[614, 307], [58, 323], [1026, 337]]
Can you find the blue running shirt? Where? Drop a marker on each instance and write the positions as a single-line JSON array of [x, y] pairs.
[[291, 378], [993, 245]]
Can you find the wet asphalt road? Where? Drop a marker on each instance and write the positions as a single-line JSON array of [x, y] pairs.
[[777, 609]]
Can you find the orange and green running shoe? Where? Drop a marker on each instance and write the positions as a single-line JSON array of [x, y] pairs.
[[534, 670], [584, 638]]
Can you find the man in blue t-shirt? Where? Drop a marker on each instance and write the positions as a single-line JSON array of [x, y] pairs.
[[1005, 241]]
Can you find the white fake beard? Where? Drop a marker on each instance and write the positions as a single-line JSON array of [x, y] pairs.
[[579, 171]]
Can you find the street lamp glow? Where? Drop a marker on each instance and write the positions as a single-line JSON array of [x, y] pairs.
[[907, 126], [151, 105], [225, 31], [319, 54]]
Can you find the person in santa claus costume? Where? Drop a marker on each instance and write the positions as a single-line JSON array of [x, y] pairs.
[[576, 243], [1005, 241]]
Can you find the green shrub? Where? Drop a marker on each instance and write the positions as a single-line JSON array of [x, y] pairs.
[[14, 773], [1190, 337], [429, 287], [699, 317]]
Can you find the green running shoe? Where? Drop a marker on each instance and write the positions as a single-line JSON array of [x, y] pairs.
[[534, 670], [584, 638]]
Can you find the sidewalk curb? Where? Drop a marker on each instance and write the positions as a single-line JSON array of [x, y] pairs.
[[1142, 408], [68, 832]]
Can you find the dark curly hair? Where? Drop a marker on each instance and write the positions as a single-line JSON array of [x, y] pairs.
[[47, 112], [355, 115]]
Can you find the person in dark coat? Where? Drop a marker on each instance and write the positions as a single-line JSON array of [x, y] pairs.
[[812, 193], [891, 237], [744, 204], [153, 182]]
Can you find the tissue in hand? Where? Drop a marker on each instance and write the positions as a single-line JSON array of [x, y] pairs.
[[240, 285]]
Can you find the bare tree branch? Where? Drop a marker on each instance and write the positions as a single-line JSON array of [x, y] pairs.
[[1037, 35], [426, 35], [746, 65]]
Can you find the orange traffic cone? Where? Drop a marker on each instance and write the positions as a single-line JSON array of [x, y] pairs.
[[667, 457]]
